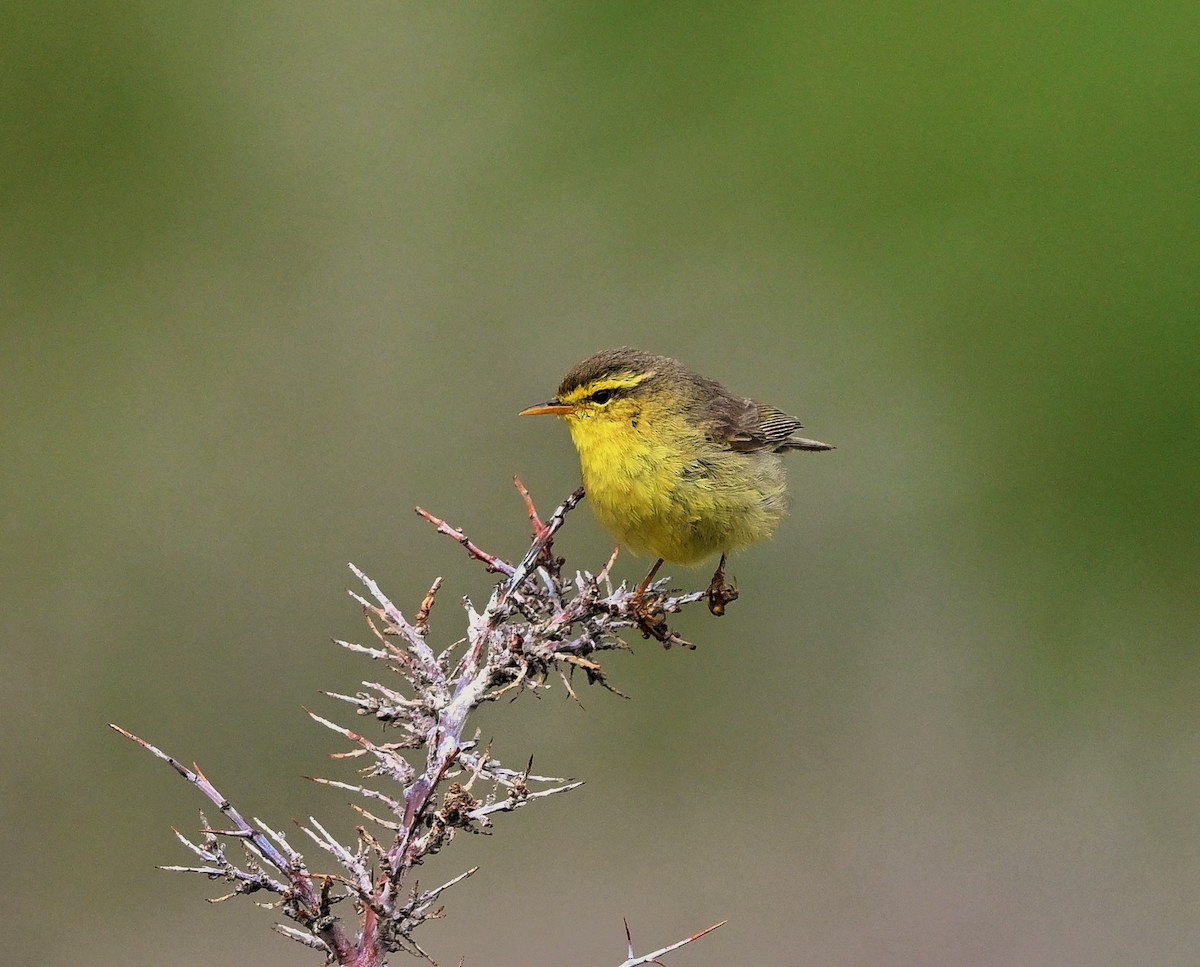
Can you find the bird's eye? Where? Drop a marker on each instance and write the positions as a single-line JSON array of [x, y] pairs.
[[603, 395]]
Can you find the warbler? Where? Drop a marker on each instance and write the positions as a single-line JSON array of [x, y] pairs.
[[674, 464]]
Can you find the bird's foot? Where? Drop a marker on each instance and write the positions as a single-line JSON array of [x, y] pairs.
[[649, 623], [719, 593], [655, 626]]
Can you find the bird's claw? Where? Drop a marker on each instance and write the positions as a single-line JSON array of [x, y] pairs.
[[719, 593], [719, 596], [653, 625]]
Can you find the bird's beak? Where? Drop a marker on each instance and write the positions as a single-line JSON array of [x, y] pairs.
[[549, 408]]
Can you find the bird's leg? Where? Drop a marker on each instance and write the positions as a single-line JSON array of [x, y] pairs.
[[720, 593], [641, 588], [650, 624]]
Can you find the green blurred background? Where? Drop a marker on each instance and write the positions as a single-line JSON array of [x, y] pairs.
[[271, 274]]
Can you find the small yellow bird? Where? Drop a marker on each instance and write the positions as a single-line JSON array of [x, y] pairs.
[[673, 464]]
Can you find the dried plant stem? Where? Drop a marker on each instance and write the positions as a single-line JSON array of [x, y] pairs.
[[536, 621]]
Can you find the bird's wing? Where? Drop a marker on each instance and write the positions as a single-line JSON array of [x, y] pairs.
[[758, 426]]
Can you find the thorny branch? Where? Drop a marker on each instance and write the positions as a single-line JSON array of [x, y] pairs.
[[537, 621]]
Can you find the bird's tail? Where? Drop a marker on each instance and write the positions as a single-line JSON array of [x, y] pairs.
[[800, 443]]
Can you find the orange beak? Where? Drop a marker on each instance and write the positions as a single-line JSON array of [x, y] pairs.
[[549, 408]]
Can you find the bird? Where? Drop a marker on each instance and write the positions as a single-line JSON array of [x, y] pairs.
[[674, 465]]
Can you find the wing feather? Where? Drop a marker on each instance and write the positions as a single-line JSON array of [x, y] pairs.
[[750, 426]]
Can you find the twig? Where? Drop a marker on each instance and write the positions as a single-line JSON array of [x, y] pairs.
[[652, 958], [536, 622]]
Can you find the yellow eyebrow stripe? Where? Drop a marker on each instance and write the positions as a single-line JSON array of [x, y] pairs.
[[619, 382]]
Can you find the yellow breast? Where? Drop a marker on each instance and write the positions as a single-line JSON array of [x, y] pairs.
[[661, 488]]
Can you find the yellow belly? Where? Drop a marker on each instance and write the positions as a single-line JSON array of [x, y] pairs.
[[680, 503]]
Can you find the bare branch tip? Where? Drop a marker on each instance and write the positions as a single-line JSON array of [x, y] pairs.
[[538, 623]]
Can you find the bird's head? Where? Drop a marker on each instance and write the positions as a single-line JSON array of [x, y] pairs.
[[612, 387]]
